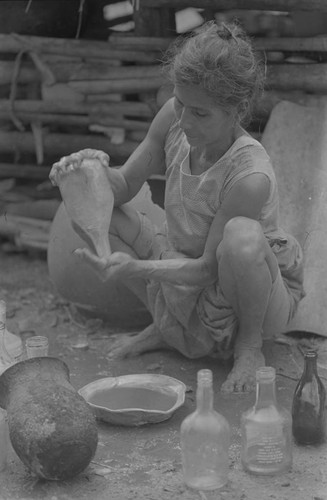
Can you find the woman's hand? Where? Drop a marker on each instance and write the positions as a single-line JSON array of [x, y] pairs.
[[75, 160], [115, 265]]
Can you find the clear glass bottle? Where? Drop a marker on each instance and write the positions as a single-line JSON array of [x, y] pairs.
[[11, 346], [205, 438], [308, 408], [266, 430]]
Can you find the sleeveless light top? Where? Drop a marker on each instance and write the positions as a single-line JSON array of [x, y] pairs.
[[191, 201], [199, 321]]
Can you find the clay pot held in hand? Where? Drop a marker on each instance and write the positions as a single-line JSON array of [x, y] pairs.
[[52, 428]]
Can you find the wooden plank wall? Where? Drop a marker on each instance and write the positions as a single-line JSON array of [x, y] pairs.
[[61, 95]]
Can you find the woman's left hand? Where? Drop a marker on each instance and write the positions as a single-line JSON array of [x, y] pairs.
[[115, 265]]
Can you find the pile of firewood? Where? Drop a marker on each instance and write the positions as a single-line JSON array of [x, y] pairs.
[[61, 95]]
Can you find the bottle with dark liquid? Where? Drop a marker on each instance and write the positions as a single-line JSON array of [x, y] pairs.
[[308, 409]]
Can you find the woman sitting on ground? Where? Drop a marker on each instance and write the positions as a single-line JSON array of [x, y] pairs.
[[220, 275]]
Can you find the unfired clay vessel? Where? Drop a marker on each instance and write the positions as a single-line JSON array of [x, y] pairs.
[[52, 428]]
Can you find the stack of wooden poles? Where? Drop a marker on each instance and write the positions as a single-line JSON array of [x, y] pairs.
[[61, 95]]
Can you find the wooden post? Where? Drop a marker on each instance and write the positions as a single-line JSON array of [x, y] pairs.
[[154, 22]]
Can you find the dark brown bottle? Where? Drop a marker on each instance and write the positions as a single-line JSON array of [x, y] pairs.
[[308, 409]]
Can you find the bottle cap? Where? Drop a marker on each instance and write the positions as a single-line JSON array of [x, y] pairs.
[[205, 376], [266, 373], [310, 353]]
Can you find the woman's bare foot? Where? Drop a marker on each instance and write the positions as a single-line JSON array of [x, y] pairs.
[[132, 345], [87, 195], [242, 376]]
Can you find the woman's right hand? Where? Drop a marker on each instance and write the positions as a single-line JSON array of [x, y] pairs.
[[75, 160]]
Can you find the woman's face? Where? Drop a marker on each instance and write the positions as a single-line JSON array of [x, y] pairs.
[[202, 120]]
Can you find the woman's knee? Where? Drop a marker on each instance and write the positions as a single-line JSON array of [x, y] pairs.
[[245, 244], [243, 239]]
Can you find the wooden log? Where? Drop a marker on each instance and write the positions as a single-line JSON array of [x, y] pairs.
[[271, 98], [40, 106], [43, 209], [305, 77], [101, 71], [292, 44], [140, 42], [123, 108], [20, 171], [27, 73], [28, 222], [60, 58], [286, 44], [287, 76], [25, 232], [65, 72], [52, 118], [103, 98], [63, 144], [80, 120], [78, 48], [128, 86], [218, 5], [128, 108], [32, 242], [121, 123]]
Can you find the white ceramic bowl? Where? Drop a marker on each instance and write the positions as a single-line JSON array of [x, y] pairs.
[[134, 399]]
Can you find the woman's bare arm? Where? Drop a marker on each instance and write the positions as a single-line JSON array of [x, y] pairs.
[[147, 159], [245, 199]]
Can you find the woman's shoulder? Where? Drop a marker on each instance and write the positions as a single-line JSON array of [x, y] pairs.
[[247, 143], [247, 157], [163, 121], [248, 152]]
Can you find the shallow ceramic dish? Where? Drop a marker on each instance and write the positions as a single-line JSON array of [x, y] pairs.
[[134, 399]]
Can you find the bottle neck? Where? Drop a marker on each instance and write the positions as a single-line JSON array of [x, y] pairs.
[[204, 398], [5, 357], [310, 366], [266, 393], [3, 313]]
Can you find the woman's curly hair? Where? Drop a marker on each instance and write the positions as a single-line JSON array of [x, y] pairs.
[[220, 59]]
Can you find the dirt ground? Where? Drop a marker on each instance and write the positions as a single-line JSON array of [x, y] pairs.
[[141, 463]]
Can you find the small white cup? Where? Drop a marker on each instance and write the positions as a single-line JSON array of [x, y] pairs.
[[37, 346]]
